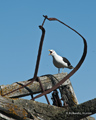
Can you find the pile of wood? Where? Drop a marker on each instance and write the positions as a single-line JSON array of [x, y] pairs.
[[12, 107]]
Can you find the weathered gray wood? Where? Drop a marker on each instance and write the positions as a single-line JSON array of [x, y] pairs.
[[48, 82], [78, 112], [68, 95], [8, 110], [29, 110]]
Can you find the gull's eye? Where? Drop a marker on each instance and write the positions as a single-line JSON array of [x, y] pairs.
[[50, 51]]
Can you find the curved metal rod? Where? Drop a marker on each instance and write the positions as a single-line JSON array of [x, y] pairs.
[[77, 66], [39, 52], [37, 63]]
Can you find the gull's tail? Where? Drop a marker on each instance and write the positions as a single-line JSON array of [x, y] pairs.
[[70, 67]]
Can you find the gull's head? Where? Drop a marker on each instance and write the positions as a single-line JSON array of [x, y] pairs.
[[52, 52]]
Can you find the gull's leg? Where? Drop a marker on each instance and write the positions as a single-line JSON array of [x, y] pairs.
[[62, 70], [58, 70]]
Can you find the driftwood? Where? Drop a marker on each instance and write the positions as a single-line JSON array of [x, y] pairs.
[[21, 109], [14, 108], [48, 81]]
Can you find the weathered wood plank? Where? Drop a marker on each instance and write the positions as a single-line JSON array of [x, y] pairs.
[[78, 112], [48, 81], [29, 110], [12, 111], [68, 95]]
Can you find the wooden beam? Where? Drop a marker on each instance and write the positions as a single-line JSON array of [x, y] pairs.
[[78, 112], [29, 110], [48, 112], [12, 111], [48, 81]]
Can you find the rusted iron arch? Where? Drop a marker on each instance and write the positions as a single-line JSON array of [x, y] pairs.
[[38, 59], [77, 66]]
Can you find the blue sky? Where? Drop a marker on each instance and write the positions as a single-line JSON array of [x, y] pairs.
[[20, 36]]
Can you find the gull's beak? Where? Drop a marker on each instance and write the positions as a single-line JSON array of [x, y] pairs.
[[49, 51]]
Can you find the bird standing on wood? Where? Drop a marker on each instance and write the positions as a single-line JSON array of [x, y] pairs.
[[60, 62]]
